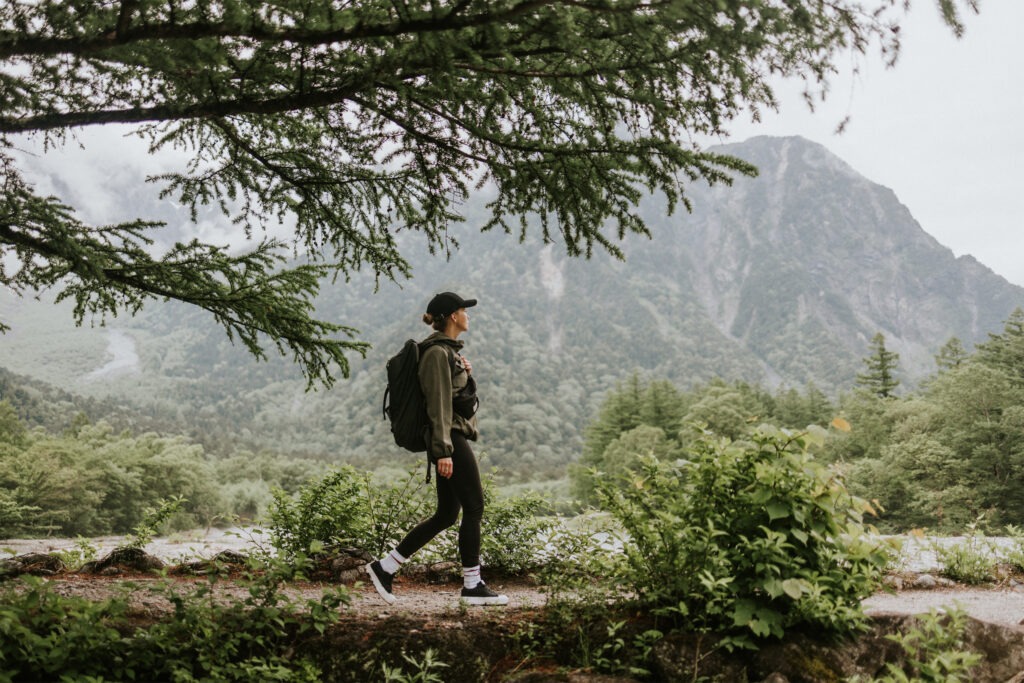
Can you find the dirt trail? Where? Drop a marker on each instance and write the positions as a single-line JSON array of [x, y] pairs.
[[1002, 605]]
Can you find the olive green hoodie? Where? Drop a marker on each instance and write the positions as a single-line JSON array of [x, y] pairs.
[[440, 383]]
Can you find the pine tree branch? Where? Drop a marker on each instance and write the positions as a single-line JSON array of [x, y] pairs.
[[107, 270]]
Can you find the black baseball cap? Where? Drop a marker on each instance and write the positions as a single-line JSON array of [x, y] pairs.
[[447, 303]]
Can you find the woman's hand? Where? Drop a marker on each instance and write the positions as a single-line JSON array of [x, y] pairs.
[[466, 364], [445, 467]]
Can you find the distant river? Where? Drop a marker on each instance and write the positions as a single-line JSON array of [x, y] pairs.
[[124, 358]]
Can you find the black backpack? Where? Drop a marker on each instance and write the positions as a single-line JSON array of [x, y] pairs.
[[407, 409]]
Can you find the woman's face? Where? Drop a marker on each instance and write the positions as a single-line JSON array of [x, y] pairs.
[[460, 319]]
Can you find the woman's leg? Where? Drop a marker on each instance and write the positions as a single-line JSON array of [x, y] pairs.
[[446, 514], [466, 486], [462, 491]]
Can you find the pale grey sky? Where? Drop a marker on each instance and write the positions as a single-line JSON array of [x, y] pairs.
[[944, 129]]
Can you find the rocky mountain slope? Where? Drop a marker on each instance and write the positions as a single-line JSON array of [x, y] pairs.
[[780, 279]]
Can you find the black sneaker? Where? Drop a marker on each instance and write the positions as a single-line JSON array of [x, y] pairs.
[[381, 581], [482, 595]]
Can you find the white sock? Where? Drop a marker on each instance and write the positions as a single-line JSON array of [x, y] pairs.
[[392, 563], [471, 576]]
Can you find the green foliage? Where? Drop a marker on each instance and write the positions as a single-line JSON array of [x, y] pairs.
[[952, 453], [935, 651], [747, 539], [612, 654], [153, 520], [17, 519], [1015, 555], [83, 552], [1005, 352], [881, 366], [110, 269], [326, 512], [12, 430], [429, 669], [971, 561], [951, 355], [580, 552], [351, 509], [44, 635], [639, 420], [514, 532], [390, 509], [92, 481]]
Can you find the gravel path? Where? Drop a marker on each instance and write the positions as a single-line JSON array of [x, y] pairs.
[[998, 606], [994, 604]]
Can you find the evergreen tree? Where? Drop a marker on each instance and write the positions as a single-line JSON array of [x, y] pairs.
[[881, 366], [951, 355], [358, 120], [12, 430], [796, 410], [1005, 352]]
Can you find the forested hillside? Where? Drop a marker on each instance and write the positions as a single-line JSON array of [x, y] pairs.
[[945, 457], [779, 280]]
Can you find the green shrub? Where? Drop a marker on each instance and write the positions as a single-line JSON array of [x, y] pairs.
[[153, 519], [426, 670], [1015, 555], [351, 509], [73, 559], [44, 635], [514, 532], [389, 511], [324, 512], [747, 540], [207, 636], [971, 561], [934, 651]]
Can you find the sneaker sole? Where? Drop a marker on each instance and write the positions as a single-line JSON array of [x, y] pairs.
[[500, 600], [388, 597]]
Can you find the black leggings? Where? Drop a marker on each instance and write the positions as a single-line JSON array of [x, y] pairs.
[[462, 491]]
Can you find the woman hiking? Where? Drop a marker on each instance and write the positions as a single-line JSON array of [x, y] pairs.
[[450, 392]]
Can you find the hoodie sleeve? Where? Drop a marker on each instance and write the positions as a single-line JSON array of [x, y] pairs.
[[436, 380]]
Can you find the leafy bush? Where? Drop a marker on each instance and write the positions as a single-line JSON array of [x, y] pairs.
[[426, 670], [1015, 554], [514, 532], [46, 636], [934, 651], [971, 561], [74, 558], [389, 511], [348, 508], [326, 511], [747, 539], [152, 521]]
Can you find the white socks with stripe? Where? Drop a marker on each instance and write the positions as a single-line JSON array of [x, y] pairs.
[[393, 562], [471, 576]]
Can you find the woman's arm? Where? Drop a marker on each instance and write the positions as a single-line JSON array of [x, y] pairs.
[[436, 380]]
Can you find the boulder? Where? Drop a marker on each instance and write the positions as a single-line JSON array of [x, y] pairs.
[[226, 559], [435, 573], [123, 560], [37, 564]]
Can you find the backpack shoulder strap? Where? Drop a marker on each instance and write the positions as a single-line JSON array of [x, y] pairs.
[[424, 345]]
